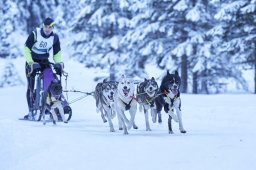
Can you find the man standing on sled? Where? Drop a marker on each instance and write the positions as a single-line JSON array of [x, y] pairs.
[[36, 52]]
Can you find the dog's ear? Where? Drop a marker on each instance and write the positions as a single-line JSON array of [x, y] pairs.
[[168, 72], [104, 85], [176, 73], [145, 79], [153, 79]]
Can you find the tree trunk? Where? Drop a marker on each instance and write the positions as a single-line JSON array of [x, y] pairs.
[[204, 85], [33, 20], [195, 83], [112, 72], [254, 67], [184, 74]]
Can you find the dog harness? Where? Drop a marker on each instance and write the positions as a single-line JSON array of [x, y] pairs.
[[147, 100], [171, 100], [127, 106]]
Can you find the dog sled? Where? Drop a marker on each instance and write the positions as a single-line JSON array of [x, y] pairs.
[[42, 82]]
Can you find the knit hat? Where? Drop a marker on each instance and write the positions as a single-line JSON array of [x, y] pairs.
[[49, 21]]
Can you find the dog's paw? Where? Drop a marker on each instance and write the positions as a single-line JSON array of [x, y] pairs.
[[183, 131], [171, 132], [126, 132], [135, 126]]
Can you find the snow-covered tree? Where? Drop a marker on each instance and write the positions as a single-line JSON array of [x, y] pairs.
[[236, 36], [196, 37], [180, 25], [11, 29], [97, 33], [34, 12], [9, 76]]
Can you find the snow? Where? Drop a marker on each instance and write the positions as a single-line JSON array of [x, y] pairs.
[[193, 15], [248, 8], [181, 6], [220, 134], [228, 9], [180, 49], [95, 19], [123, 4], [114, 41]]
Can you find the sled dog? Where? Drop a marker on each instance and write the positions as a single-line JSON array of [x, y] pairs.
[[146, 94], [51, 101], [104, 96], [170, 99], [125, 101]]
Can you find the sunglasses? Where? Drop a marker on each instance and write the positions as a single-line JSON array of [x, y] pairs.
[[51, 26]]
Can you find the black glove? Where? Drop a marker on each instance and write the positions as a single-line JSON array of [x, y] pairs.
[[58, 67], [33, 67]]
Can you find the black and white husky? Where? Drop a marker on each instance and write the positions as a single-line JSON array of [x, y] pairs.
[[104, 96], [170, 99], [51, 100], [146, 94], [125, 101]]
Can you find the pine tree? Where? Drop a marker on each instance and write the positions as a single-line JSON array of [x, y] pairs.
[[100, 25], [237, 32], [11, 29], [10, 76], [182, 24], [34, 12]]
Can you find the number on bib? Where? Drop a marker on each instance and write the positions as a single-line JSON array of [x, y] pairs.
[[43, 44]]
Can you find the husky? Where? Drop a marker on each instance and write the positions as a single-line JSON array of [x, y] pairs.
[[170, 100], [146, 94], [125, 101], [51, 100], [104, 96]]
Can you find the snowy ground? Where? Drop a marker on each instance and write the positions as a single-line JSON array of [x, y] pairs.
[[220, 135]]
